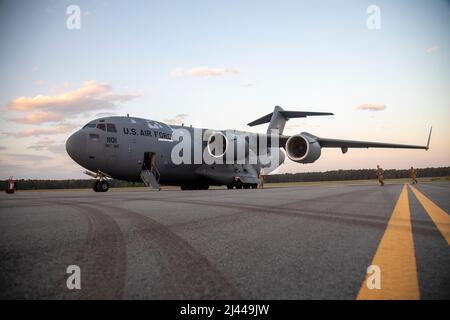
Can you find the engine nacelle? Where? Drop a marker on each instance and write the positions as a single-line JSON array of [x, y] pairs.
[[303, 148], [231, 147]]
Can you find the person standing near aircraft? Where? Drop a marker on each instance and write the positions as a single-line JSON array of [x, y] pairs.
[[11, 185], [261, 178], [380, 175], [413, 175], [152, 162]]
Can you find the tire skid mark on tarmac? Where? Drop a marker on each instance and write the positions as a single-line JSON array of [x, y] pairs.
[[352, 219], [237, 193], [185, 272], [102, 258], [370, 221], [15, 205], [244, 209]]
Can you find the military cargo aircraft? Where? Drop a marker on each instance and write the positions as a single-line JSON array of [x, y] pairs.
[[136, 149]]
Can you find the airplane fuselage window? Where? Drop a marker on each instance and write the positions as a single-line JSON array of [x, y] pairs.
[[89, 125], [101, 126], [111, 127]]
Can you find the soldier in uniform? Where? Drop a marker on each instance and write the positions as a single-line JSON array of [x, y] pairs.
[[380, 176], [413, 175]]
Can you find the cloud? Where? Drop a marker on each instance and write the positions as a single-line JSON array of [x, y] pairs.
[[38, 117], [371, 107], [90, 96], [37, 132], [432, 49], [27, 157], [48, 145], [205, 72], [105, 114], [178, 119]]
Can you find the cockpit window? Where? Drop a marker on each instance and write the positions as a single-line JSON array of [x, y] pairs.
[[111, 127], [101, 126], [89, 125]]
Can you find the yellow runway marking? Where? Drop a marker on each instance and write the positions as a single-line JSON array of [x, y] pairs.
[[440, 218], [396, 258]]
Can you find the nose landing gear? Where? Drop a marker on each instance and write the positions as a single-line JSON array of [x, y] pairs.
[[101, 184]]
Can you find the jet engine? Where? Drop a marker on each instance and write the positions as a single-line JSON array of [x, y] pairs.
[[302, 148], [231, 146]]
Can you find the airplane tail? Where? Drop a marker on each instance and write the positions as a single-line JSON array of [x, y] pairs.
[[277, 119]]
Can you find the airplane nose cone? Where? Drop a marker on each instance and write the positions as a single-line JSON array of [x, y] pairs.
[[76, 146]]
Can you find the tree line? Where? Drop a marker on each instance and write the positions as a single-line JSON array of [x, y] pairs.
[[37, 184], [334, 175], [359, 174]]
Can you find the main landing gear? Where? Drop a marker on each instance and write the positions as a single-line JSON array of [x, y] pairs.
[[196, 186], [238, 184]]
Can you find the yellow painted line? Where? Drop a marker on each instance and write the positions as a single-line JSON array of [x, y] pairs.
[[396, 258], [440, 218]]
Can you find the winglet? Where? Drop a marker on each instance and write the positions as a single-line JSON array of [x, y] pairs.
[[429, 138]]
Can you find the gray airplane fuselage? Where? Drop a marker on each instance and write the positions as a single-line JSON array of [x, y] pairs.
[[121, 147], [117, 146]]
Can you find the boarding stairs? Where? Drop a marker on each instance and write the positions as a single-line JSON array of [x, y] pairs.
[[151, 177]]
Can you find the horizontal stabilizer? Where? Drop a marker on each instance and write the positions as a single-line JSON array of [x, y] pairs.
[[288, 115], [278, 118]]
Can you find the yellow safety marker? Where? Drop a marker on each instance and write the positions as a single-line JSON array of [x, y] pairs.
[[440, 218], [395, 258]]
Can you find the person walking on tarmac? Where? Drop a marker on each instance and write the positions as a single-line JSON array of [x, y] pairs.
[[380, 175], [413, 175]]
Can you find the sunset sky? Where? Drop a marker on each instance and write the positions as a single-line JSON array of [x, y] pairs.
[[222, 64]]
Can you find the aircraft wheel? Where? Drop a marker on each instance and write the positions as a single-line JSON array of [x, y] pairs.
[[246, 186], [230, 186], [239, 185], [95, 185], [103, 186], [254, 185]]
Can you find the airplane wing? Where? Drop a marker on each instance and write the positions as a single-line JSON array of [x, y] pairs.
[[336, 143], [345, 144]]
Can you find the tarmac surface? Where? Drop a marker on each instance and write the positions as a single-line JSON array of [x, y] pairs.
[[308, 242]]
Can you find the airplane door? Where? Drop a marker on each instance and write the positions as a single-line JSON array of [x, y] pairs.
[[110, 150], [94, 149], [131, 145], [111, 146]]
